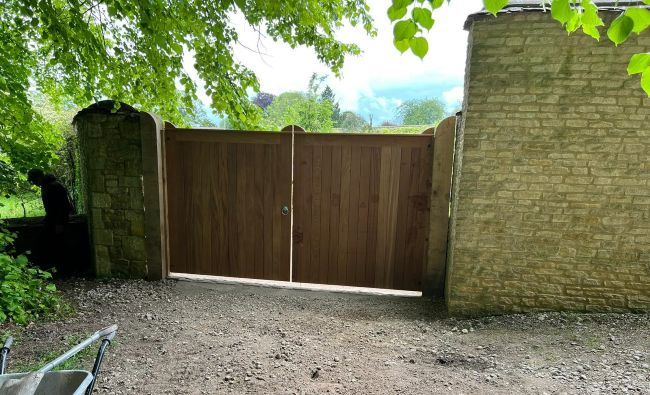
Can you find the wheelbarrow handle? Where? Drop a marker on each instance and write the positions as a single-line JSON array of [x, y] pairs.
[[103, 333], [108, 331], [98, 362], [4, 354]]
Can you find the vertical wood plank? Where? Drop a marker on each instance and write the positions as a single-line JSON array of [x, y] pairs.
[[269, 259], [393, 193], [240, 200], [422, 219], [373, 213], [204, 205], [411, 260], [382, 222], [257, 220], [362, 219], [233, 211], [307, 198], [344, 222], [317, 173], [352, 272], [443, 157], [285, 161], [172, 167], [325, 217], [220, 216], [335, 214], [401, 265]]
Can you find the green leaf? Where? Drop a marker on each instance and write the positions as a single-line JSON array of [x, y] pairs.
[[561, 11], [590, 19], [404, 30], [402, 3], [638, 63], [574, 22], [436, 3], [422, 16], [620, 29], [396, 13], [494, 6], [419, 46], [402, 45], [645, 81], [641, 18]]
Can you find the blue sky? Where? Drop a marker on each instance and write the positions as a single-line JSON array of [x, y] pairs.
[[379, 79], [385, 100]]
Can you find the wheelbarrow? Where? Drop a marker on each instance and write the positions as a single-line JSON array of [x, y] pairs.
[[64, 382]]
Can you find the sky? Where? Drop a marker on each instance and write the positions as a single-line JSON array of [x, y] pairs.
[[380, 79]]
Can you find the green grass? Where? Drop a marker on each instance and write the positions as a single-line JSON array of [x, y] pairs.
[[12, 207], [408, 129], [82, 361]]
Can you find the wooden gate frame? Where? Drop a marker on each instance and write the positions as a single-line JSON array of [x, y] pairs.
[[433, 282], [435, 269]]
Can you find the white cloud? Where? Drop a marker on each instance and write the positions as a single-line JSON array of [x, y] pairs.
[[379, 67], [454, 95]]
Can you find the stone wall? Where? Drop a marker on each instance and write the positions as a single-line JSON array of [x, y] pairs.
[[551, 202], [111, 154]]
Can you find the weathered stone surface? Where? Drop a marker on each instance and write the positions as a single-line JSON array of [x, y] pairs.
[[110, 146], [552, 182]]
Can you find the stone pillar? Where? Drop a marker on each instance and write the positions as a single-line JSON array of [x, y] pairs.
[[119, 151], [551, 189]]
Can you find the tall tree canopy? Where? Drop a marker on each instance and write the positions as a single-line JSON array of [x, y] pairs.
[[263, 100], [132, 51], [298, 108], [352, 122], [421, 112]]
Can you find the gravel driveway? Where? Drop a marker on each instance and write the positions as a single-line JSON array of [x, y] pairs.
[[180, 337]]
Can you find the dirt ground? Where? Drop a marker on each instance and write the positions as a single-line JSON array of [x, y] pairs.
[[179, 337]]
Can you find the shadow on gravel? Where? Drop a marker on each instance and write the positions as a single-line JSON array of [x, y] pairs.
[[327, 303]]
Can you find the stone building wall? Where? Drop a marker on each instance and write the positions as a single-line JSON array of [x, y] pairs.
[[112, 170], [551, 205]]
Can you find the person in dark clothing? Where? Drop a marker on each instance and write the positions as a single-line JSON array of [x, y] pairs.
[[58, 208]]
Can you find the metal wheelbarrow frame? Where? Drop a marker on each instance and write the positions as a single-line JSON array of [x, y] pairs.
[[62, 382]]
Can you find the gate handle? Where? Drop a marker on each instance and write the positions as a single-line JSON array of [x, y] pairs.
[[285, 210]]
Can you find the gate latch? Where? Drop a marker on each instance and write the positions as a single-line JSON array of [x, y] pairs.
[[285, 210]]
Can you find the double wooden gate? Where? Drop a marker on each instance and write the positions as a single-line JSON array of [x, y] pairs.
[[361, 206]]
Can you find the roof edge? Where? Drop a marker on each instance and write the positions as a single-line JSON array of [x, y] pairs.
[[519, 9]]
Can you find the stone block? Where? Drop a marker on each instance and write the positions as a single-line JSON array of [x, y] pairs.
[[103, 237], [100, 200], [546, 140], [134, 248]]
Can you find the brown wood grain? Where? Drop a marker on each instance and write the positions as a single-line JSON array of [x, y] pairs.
[[224, 195], [435, 268], [361, 222], [361, 206]]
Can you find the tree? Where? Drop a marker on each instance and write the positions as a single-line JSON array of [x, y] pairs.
[[420, 112], [412, 18], [263, 100], [198, 116], [311, 109], [34, 146], [132, 51], [328, 94], [352, 122], [298, 108]]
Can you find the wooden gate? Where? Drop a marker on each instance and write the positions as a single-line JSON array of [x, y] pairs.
[[361, 209], [361, 206], [225, 195]]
